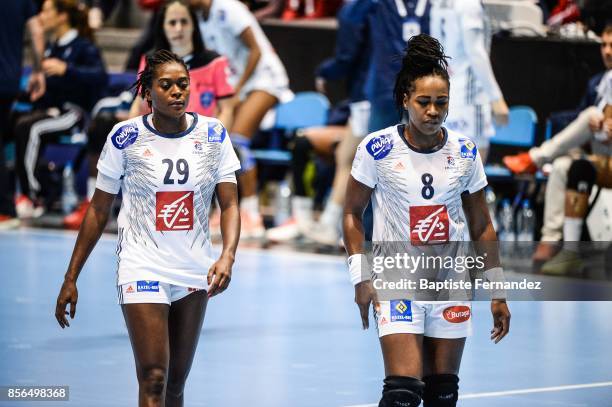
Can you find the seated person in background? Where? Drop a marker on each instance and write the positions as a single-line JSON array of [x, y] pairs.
[[580, 131], [211, 94], [75, 78], [260, 82]]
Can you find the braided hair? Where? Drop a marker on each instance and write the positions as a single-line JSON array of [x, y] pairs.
[[145, 77], [424, 56]]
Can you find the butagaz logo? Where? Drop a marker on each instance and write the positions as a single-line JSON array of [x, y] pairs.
[[174, 210], [429, 224], [146, 286], [216, 133], [380, 147], [468, 149], [457, 314], [125, 136], [401, 310]]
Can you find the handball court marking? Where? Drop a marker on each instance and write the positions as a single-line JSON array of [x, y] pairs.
[[519, 391]]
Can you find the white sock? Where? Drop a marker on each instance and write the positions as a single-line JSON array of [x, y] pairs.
[[332, 214], [301, 207], [572, 229], [91, 187], [250, 204]]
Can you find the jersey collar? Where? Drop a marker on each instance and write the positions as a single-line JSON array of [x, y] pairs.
[[145, 121], [400, 133]]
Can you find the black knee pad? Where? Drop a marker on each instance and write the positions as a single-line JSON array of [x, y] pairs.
[[581, 176], [441, 390], [401, 391]]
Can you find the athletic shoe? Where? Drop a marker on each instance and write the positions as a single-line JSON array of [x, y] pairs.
[[322, 233], [565, 263], [520, 163], [8, 222], [546, 251], [283, 233], [251, 226], [289, 14], [25, 208], [73, 221]]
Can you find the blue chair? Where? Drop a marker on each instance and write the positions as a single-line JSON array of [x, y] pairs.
[[519, 132], [306, 109]]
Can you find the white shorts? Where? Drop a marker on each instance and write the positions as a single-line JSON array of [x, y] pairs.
[[474, 121], [271, 78], [152, 292], [448, 320]]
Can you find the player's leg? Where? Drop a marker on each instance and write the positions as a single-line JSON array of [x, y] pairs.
[[400, 327], [247, 119], [184, 326], [148, 329], [441, 362]]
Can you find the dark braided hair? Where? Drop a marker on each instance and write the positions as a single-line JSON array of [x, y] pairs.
[[145, 77], [424, 56]]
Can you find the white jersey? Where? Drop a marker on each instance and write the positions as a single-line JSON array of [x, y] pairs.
[[167, 183], [417, 195], [227, 19], [450, 20]]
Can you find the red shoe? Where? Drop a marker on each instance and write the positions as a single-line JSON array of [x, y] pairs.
[[520, 164], [290, 14], [74, 220]]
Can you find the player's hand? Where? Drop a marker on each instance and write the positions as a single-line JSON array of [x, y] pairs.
[[500, 112], [68, 295], [54, 67], [95, 18], [320, 85], [364, 295], [36, 86], [501, 320], [219, 276], [595, 122]]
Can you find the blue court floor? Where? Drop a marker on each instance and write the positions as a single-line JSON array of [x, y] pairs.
[[286, 333]]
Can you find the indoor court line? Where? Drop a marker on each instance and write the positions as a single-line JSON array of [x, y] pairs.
[[519, 391]]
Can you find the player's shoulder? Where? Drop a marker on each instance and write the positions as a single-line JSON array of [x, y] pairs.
[[380, 143], [228, 8], [125, 133], [465, 6], [461, 145], [211, 129]]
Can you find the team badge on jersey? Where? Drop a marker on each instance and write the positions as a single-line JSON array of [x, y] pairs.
[[216, 132], [174, 210], [401, 310], [380, 146], [429, 224], [125, 136], [146, 286], [457, 314], [468, 149], [207, 98]]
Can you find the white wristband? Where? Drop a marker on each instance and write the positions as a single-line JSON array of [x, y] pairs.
[[355, 268], [496, 276]]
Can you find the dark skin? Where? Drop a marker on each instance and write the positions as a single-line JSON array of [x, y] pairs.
[[409, 354], [164, 338]]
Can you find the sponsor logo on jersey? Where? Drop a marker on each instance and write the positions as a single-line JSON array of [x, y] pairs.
[[457, 314], [216, 133], [401, 310], [174, 210], [399, 167], [147, 153], [146, 286], [380, 146], [125, 136], [207, 99], [468, 149], [383, 321], [429, 224], [129, 290]]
